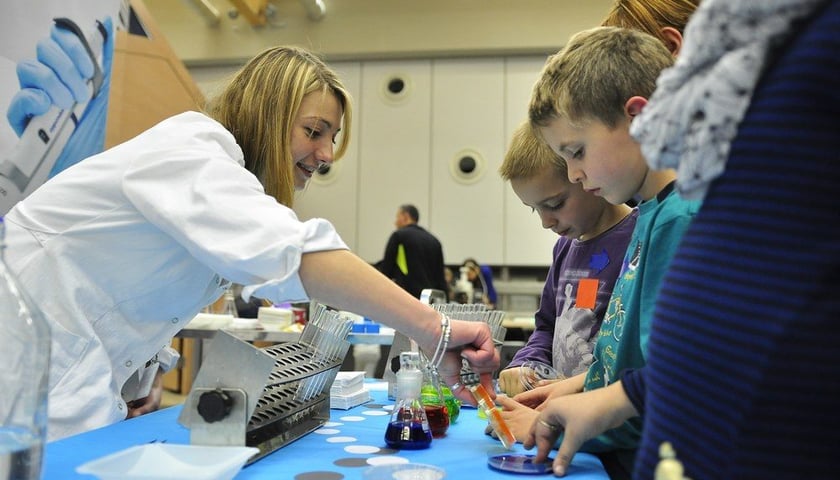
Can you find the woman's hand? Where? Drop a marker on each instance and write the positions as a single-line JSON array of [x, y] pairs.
[[151, 402], [473, 342]]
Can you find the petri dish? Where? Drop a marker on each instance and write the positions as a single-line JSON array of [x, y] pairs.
[[404, 471], [532, 372], [519, 463]]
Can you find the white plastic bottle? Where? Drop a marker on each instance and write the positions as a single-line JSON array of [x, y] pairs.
[[409, 427], [25, 356], [464, 287]]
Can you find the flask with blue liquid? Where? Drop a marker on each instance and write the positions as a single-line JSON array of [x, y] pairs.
[[408, 427]]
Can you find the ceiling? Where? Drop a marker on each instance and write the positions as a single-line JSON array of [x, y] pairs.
[[372, 29]]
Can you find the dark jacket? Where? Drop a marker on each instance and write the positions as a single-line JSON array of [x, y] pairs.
[[414, 260]]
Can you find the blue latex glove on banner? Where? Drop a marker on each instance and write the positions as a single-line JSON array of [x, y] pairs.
[[59, 77]]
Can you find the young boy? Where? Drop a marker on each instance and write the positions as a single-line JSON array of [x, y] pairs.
[[582, 107], [587, 257]]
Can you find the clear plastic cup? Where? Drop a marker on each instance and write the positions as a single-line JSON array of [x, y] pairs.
[[532, 372]]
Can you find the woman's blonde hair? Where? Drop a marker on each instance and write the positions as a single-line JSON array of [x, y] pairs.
[[651, 16], [259, 107]]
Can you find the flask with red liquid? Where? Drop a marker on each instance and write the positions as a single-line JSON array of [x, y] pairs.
[[432, 398], [409, 427]]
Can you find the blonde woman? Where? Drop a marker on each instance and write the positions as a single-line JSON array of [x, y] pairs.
[[124, 248], [664, 19]]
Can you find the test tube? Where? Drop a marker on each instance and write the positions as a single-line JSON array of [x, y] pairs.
[[500, 427]]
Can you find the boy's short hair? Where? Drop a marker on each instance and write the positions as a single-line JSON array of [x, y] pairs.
[[595, 74], [529, 155]]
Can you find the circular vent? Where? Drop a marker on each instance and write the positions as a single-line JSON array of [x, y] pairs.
[[396, 88], [467, 166]]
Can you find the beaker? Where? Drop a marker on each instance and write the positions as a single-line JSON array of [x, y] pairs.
[[409, 427], [434, 403]]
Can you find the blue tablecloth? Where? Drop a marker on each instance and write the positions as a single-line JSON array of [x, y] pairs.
[[352, 441]]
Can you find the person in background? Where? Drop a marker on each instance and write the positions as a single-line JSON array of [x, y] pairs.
[[413, 259], [125, 247], [742, 379], [593, 236], [450, 283], [481, 277], [413, 256], [583, 111]]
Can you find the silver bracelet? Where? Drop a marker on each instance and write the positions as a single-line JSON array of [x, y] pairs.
[[443, 341]]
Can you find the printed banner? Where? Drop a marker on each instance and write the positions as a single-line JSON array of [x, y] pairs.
[[55, 69]]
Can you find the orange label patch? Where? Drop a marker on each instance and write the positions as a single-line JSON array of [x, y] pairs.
[[587, 293]]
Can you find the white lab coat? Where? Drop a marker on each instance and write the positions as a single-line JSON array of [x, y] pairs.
[[121, 250]]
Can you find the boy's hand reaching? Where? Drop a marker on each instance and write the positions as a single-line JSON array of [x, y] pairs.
[[509, 381], [537, 397], [579, 417], [517, 416]]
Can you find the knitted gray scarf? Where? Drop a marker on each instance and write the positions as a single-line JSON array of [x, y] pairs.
[[694, 113]]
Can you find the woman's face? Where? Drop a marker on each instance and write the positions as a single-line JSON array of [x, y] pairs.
[[313, 134]]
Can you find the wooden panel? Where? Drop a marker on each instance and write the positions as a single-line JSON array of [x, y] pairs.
[[467, 119], [148, 82], [190, 362], [526, 242], [252, 10]]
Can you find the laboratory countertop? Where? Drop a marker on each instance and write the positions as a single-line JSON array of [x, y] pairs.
[[351, 442], [525, 323], [205, 326]]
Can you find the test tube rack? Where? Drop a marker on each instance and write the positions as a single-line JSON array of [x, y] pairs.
[[476, 312], [266, 397]]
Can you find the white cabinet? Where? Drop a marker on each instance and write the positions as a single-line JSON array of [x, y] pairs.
[[468, 141], [394, 148], [526, 242]]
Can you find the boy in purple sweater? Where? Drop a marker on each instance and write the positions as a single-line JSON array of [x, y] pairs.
[[594, 235]]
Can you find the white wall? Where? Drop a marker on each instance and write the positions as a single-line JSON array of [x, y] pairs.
[[405, 148]]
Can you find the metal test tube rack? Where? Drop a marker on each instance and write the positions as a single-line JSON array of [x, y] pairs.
[[266, 397], [476, 312]]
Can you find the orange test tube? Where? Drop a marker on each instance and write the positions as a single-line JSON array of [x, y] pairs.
[[500, 427]]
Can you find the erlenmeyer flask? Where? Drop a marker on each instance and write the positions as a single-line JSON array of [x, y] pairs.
[[434, 403], [408, 427]]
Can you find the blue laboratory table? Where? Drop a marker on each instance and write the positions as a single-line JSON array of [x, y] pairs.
[[352, 441]]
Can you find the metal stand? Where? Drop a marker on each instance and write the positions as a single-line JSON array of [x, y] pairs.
[[266, 397], [473, 312]]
